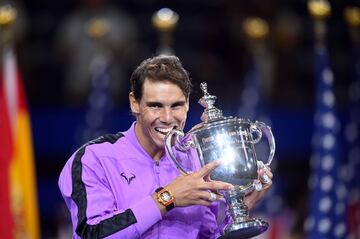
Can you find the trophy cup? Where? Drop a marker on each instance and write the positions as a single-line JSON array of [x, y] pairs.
[[232, 141]]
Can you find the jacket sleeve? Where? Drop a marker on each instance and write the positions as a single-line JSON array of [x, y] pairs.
[[94, 211]]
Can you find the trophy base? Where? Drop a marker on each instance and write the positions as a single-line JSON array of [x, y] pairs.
[[246, 229]]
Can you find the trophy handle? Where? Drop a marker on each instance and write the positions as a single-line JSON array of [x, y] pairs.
[[258, 128], [178, 145]]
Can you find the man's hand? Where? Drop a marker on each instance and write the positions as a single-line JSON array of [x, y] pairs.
[[255, 196], [195, 188]]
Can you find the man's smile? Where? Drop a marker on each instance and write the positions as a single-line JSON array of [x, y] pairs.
[[164, 131]]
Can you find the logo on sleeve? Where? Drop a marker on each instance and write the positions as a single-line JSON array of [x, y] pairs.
[[128, 178]]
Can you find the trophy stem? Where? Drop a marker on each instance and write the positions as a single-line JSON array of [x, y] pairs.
[[243, 225], [238, 209]]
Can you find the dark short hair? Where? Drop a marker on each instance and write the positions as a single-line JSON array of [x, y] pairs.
[[160, 68]]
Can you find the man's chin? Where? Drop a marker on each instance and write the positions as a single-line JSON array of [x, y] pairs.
[[160, 142]]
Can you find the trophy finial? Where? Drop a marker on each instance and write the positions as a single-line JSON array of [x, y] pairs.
[[207, 101], [203, 87]]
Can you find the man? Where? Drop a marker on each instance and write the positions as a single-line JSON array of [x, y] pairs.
[[124, 185]]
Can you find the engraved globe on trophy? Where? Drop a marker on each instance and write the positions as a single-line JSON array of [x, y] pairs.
[[232, 141]]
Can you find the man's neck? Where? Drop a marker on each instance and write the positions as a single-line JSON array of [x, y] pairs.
[[153, 152]]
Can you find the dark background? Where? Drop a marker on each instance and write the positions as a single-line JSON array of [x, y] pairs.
[[210, 42]]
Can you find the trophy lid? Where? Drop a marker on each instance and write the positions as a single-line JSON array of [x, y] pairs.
[[211, 113], [212, 117]]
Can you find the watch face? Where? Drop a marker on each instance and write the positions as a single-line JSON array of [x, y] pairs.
[[165, 196]]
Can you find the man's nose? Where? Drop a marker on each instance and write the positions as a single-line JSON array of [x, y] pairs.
[[167, 115]]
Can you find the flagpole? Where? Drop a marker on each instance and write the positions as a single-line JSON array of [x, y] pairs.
[[165, 21], [327, 190], [352, 17], [256, 30], [97, 120], [319, 11], [7, 17]]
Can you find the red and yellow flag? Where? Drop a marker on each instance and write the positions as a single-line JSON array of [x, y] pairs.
[[18, 195]]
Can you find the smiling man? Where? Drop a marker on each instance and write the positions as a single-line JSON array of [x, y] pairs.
[[125, 186]]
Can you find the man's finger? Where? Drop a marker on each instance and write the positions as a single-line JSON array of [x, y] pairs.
[[264, 175], [266, 170], [269, 173], [207, 169], [217, 185]]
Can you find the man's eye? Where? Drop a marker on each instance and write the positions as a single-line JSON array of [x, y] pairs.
[[154, 106], [177, 106]]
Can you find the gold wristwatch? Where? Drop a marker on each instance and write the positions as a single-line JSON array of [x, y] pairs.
[[166, 198]]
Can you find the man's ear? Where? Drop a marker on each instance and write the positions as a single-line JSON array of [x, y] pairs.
[[134, 104]]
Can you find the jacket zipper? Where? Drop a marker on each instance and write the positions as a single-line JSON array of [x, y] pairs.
[[157, 172]]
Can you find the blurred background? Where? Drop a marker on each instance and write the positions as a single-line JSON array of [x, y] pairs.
[[264, 60]]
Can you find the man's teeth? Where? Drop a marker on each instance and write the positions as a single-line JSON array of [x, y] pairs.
[[164, 130]]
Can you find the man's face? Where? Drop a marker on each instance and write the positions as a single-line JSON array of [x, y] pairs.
[[162, 107]]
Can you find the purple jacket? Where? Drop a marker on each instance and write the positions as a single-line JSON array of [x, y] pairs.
[[107, 186]]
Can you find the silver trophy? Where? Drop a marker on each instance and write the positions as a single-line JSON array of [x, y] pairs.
[[231, 140]]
